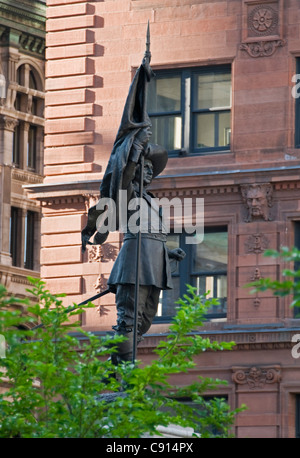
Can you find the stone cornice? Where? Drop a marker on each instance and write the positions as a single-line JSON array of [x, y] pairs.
[[25, 176], [245, 339], [32, 14], [181, 185]]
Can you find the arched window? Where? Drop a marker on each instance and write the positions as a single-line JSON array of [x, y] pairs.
[[29, 103]]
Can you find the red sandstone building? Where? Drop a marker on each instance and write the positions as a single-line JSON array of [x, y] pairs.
[[225, 104]]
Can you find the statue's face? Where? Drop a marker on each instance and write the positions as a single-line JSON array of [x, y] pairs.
[[148, 173]]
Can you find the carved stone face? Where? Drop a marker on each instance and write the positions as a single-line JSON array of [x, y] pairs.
[[257, 202], [258, 199]]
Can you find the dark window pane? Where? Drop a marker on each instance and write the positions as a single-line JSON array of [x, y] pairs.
[[167, 131], [224, 129], [297, 422], [31, 148], [204, 267], [32, 81], [34, 106], [297, 106], [210, 255], [164, 95], [209, 269], [205, 130], [15, 235], [16, 147], [29, 241], [166, 306], [213, 90], [18, 101]]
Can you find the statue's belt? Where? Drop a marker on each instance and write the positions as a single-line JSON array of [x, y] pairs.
[[146, 235]]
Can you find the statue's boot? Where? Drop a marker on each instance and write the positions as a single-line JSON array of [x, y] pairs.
[[125, 348]]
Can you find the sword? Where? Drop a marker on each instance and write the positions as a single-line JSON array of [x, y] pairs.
[[71, 309]]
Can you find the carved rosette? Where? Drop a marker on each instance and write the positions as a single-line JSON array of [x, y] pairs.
[[256, 377], [263, 20]]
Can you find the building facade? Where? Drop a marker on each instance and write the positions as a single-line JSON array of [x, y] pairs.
[[225, 104], [22, 29]]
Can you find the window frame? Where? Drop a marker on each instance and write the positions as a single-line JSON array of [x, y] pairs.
[[297, 109], [185, 273], [31, 153], [188, 111], [15, 241], [29, 240]]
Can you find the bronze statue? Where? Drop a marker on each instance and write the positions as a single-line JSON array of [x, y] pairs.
[[133, 163]]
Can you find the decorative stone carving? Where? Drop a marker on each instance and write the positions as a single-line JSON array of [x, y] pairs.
[[256, 243], [263, 27], [102, 253], [32, 43], [100, 284], [258, 200], [263, 20], [94, 253], [256, 377], [9, 123], [256, 275], [256, 302], [262, 48]]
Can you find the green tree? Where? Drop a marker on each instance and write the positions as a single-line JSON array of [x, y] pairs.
[[56, 379], [290, 282]]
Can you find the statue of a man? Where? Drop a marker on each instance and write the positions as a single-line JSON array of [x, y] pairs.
[[123, 174], [155, 273]]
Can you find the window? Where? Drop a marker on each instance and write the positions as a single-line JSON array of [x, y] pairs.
[[204, 267], [22, 239], [297, 422], [29, 240], [190, 110], [297, 108], [31, 147], [29, 104], [15, 238], [16, 156], [297, 264]]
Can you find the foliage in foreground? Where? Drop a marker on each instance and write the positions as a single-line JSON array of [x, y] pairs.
[[290, 283], [54, 376]]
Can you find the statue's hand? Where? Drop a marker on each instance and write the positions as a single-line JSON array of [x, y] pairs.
[[86, 234], [143, 136], [178, 254]]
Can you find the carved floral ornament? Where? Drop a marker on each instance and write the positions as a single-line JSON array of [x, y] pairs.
[[263, 20], [263, 31], [256, 377], [262, 48], [257, 243]]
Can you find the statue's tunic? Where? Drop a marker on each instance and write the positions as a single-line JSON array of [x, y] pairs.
[[154, 259]]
